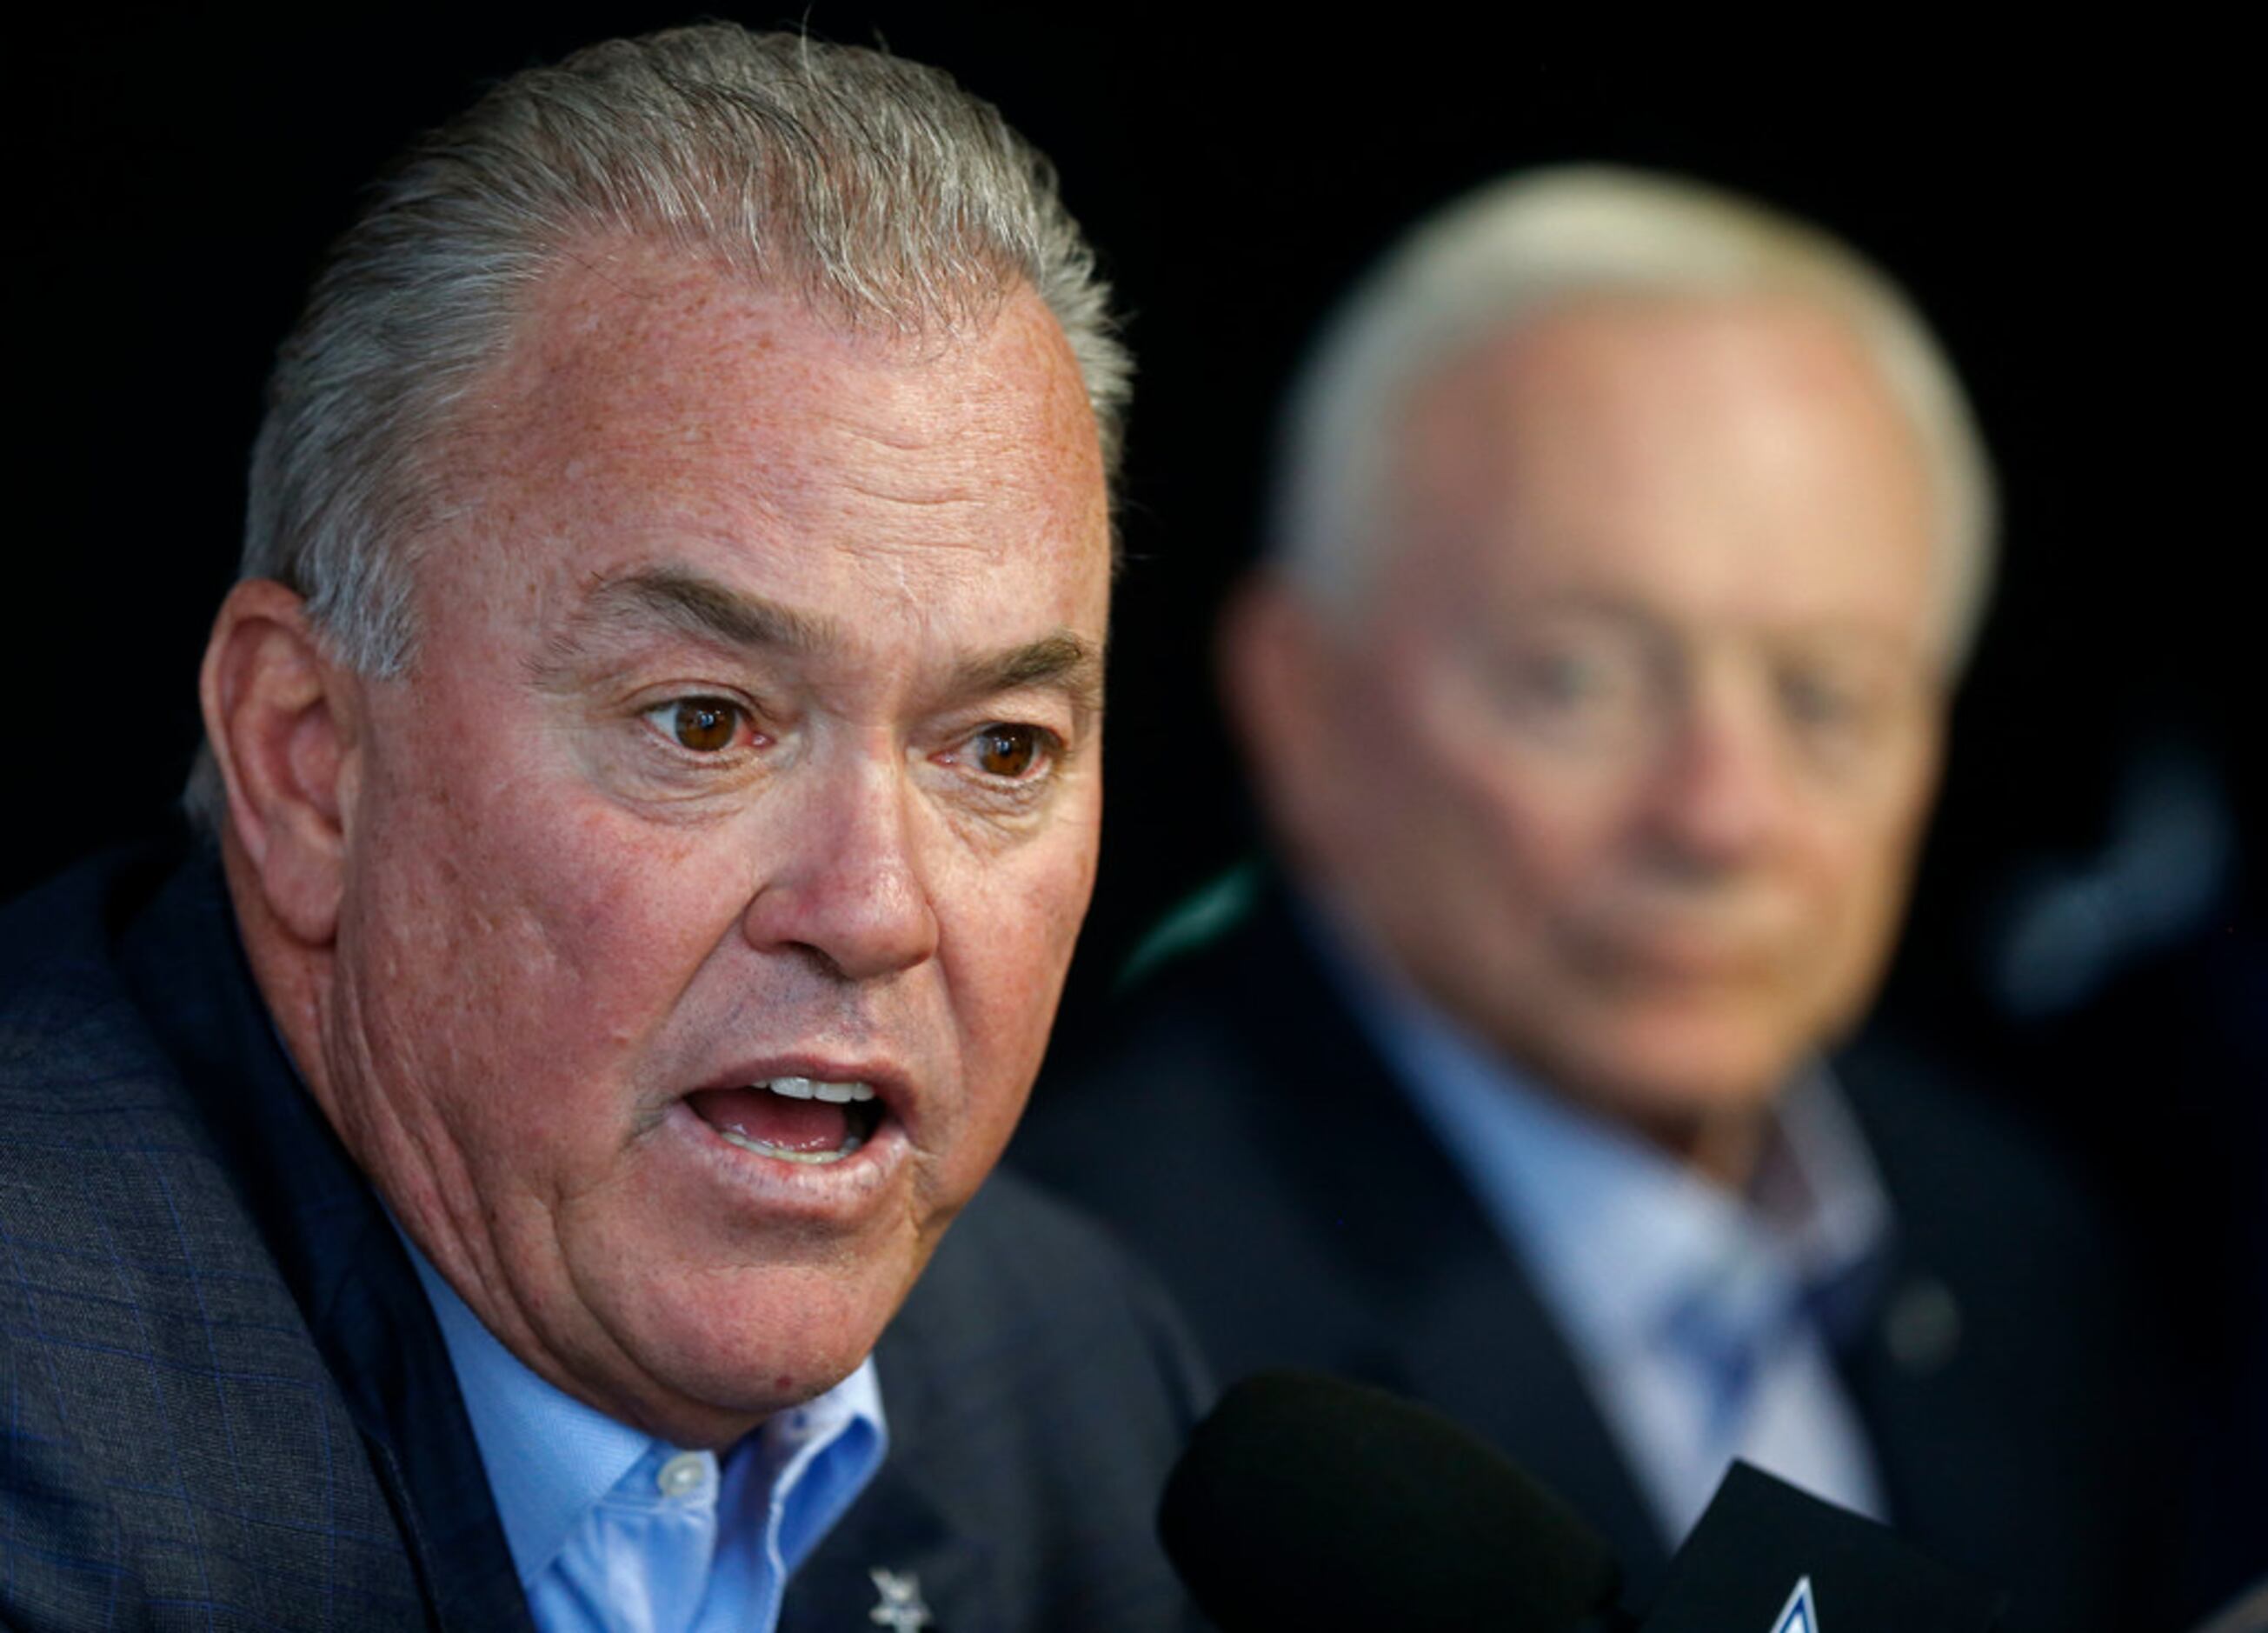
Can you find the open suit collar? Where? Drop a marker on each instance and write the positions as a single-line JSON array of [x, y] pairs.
[[1465, 1328], [331, 1239]]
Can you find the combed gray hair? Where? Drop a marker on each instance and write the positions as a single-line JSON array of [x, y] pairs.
[[875, 187], [1521, 247]]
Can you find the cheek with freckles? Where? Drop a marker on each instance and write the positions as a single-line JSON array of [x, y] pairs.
[[514, 945]]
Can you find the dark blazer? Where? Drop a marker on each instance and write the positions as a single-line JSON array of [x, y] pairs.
[[1240, 1131], [224, 1404]]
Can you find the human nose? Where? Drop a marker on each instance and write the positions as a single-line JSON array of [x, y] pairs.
[[846, 886], [1720, 794]]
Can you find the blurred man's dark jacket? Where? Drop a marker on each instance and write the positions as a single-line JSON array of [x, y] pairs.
[[1243, 1134]]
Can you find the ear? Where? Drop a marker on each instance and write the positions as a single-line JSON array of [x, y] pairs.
[[1272, 654], [281, 719]]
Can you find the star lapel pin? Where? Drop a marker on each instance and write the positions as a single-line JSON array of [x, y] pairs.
[[899, 1606]]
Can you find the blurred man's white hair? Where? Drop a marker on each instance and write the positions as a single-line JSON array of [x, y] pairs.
[[1517, 248]]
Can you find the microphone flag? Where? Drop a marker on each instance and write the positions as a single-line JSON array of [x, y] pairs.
[[1797, 1616], [1769, 1557]]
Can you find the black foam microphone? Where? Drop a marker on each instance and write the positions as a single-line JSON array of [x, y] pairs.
[[1310, 1503]]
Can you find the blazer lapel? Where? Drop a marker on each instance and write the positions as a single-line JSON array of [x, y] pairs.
[[898, 1548], [1469, 1332], [1480, 1345], [336, 1250], [899, 1545]]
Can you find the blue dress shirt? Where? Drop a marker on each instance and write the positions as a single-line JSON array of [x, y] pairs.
[[613, 1530], [1699, 1318]]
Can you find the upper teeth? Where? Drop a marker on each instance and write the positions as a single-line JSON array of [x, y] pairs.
[[813, 1089]]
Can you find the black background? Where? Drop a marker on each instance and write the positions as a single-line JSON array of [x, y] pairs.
[[2066, 209]]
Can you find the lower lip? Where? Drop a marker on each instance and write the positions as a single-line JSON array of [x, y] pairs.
[[838, 1191]]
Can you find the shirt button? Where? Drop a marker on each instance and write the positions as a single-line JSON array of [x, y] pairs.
[[683, 1474]]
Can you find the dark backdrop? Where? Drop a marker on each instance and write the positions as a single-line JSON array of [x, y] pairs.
[[2061, 208]]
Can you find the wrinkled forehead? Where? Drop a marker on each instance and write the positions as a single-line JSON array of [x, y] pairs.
[[643, 389], [633, 347]]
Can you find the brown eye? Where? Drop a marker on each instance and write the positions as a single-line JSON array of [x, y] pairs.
[[705, 725], [1006, 750]]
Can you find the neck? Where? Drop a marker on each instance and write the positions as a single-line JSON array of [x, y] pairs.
[[1725, 1150], [1722, 1145]]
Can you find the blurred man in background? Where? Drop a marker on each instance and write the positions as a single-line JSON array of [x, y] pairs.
[[1629, 541]]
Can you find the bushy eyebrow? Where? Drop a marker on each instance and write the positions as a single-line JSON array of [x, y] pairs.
[[1061, 662], [707, 610], [699, 607]]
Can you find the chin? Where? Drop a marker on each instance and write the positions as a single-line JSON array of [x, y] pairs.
[[1681, 1068], [725, 1357]]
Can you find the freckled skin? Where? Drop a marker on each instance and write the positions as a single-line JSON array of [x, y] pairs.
[[554, 922], [1666, 929]]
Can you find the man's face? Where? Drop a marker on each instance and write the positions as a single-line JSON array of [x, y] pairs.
[[750, 760], [1625, 755]]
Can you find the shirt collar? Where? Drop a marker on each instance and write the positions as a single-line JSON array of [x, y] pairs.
[[550, 1458], [1619, 1232]]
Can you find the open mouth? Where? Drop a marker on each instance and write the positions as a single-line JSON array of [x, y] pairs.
[[794, 1120]]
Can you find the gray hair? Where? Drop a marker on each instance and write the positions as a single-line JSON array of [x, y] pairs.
[[875, 189], [1519, 248]]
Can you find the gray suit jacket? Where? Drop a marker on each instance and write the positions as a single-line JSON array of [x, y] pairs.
[[224, 1402]]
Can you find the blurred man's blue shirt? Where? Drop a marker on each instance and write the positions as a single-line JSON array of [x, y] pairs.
[[615, 1532], [1695, 1314]]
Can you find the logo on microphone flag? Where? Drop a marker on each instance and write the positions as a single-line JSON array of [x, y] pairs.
[[1798, 1615]]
